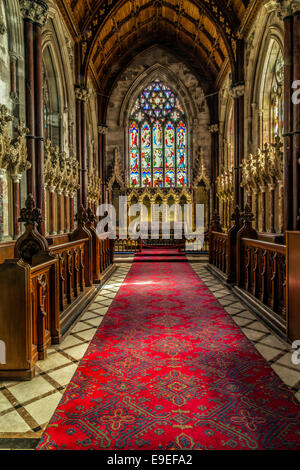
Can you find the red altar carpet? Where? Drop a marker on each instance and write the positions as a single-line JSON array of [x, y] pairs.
[[169, 369], [160, 254]]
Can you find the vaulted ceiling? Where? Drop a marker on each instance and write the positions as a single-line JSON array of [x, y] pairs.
[[109, 33]]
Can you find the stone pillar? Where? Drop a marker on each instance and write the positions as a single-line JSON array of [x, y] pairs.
[[102, 132], [52, 210], [272, 207], [81, 96], [39, 123], [16, 205], [13, 76], [263, 190], [67, 212], [237, 92], [280, 206], [289, 11], [71, 212], [2, 176], [214, 132], [255, 208], [35, 15], [296, 118], [59, 212]]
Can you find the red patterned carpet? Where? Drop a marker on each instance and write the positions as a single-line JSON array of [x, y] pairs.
[[169, 369]]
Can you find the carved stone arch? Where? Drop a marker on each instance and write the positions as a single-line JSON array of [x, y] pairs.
[[132, 193], [115, 178], [261, 79], [185, 193], [60, 37], [158, 71], [273, 33], [159, 193]]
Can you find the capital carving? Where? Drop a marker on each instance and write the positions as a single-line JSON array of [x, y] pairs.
[[81, 93], [2, 26], [287, 8], [94, 187], [13, 152], [237, 90], [271, 5], [102, 129], [34, 10], [213, 128]]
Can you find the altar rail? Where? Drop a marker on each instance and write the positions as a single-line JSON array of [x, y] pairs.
[[44, 289], [218, 252], [128, 246], [258, 273]]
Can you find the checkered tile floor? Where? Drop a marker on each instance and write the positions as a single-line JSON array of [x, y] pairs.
[[276, 352], [26, 407]]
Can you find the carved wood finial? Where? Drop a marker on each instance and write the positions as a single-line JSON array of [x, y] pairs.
[[81, 216], [215, 223], [91, 218], [247, 215], [236, 216], [30, 214], [247, 231], [31, 243]]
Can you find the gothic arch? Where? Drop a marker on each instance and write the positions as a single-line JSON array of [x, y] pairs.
[[271, 37], [157, 71], [56, 38]]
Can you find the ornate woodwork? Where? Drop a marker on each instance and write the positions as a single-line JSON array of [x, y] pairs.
[[46, 286]]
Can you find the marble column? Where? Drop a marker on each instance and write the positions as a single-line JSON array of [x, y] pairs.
[[52, 210], [59, 212], [13, 76], [263, 190], [2, 176], [272, 207], [67, 212], [35, 14], [255, 208], [102, 132], [289, 11], [237, 92], [214, 132], [16, 205], [71, 204]]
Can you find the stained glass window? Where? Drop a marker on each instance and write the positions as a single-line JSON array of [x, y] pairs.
[[157, 139]]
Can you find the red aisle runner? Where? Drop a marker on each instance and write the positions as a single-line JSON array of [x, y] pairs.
[[169, 369]]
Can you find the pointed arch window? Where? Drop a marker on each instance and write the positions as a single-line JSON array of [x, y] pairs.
[[157, 139]]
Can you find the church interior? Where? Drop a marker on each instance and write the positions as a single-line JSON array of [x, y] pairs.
[[116, 343]]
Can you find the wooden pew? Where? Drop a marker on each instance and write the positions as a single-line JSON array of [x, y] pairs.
[[44, 289]]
